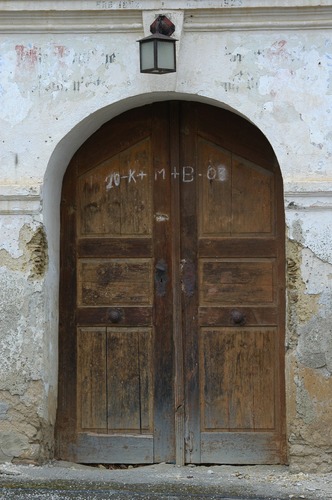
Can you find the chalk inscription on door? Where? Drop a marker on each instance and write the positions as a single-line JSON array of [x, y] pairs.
[[184, 174]]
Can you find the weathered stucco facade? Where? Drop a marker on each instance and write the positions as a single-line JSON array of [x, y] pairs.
[[67, 67]]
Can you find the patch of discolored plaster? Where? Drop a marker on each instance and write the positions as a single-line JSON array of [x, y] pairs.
[[319, 390], [33, 258], [309, 343], [309, 318], [290, 372], [12, 444], [26, 434], [52, 400], [22, 332], [301, 306], [315, 344], [304, 404], [37, 247], [4, 407], [311, 432]]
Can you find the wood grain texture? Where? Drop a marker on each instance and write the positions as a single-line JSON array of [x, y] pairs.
[[222, 315], [252, 199], [236, 282], [131, 315], [248, 447], [233, 247], [116, 281], [115, 197], [91, 378], [241, 384], [179, 389], [107, 256], [189, 238], [114, 247], [215, 189], [129, 380], [66, 421], [164, 441], [102, 449], [237, 378]]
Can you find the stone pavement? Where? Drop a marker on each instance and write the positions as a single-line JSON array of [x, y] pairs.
[[63, 480]]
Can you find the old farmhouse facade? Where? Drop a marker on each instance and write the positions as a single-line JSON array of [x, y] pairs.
[[166, 236]]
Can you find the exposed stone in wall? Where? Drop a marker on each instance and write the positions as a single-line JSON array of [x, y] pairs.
[[301, 306], [37, 247], [311, 430], [309, 347], [32, 438], [30, 256]]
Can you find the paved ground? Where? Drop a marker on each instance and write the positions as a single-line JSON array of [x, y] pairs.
[[63, 480]]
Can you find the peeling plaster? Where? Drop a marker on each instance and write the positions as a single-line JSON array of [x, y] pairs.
[[302, 305], [311, 430], [31, 429], [309, 355], [309, 319], [28, 253]]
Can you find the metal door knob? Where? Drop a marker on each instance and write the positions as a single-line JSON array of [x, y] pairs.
[[115, 315], [238, 317]]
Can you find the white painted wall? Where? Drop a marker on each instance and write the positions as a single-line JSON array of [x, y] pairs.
[[64, 73]]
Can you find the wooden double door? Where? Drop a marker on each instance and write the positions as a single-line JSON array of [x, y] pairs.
[[172, 292]]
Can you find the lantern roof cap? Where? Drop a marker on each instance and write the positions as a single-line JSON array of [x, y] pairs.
[[158, 36]]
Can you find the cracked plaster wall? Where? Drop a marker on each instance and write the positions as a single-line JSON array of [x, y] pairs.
[[24, 410], [309, 339], [57, 88]]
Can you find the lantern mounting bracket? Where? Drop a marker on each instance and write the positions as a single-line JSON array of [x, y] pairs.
[[162, 25]]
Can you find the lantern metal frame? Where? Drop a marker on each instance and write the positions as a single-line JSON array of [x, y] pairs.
[[161, 29]]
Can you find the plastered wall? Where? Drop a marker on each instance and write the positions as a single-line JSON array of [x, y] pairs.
[[64, 73]]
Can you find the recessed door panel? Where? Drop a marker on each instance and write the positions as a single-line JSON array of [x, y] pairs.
[[237, 379], [252, 195], [129, 376], [105, 206], [215, 189], [114, 281], [91, 371], [230, 281]]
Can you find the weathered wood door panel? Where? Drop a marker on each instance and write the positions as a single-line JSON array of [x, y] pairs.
[[171, 331], [240, 303], [116, 359]]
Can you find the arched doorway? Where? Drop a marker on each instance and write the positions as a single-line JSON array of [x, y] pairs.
[[172, 292]]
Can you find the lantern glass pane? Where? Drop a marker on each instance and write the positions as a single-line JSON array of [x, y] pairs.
[[165, 53], [147, 55]]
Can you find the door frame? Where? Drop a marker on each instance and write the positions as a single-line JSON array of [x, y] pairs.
[[179, 350]]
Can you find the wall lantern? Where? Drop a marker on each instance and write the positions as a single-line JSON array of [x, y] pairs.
[[157, 52]]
